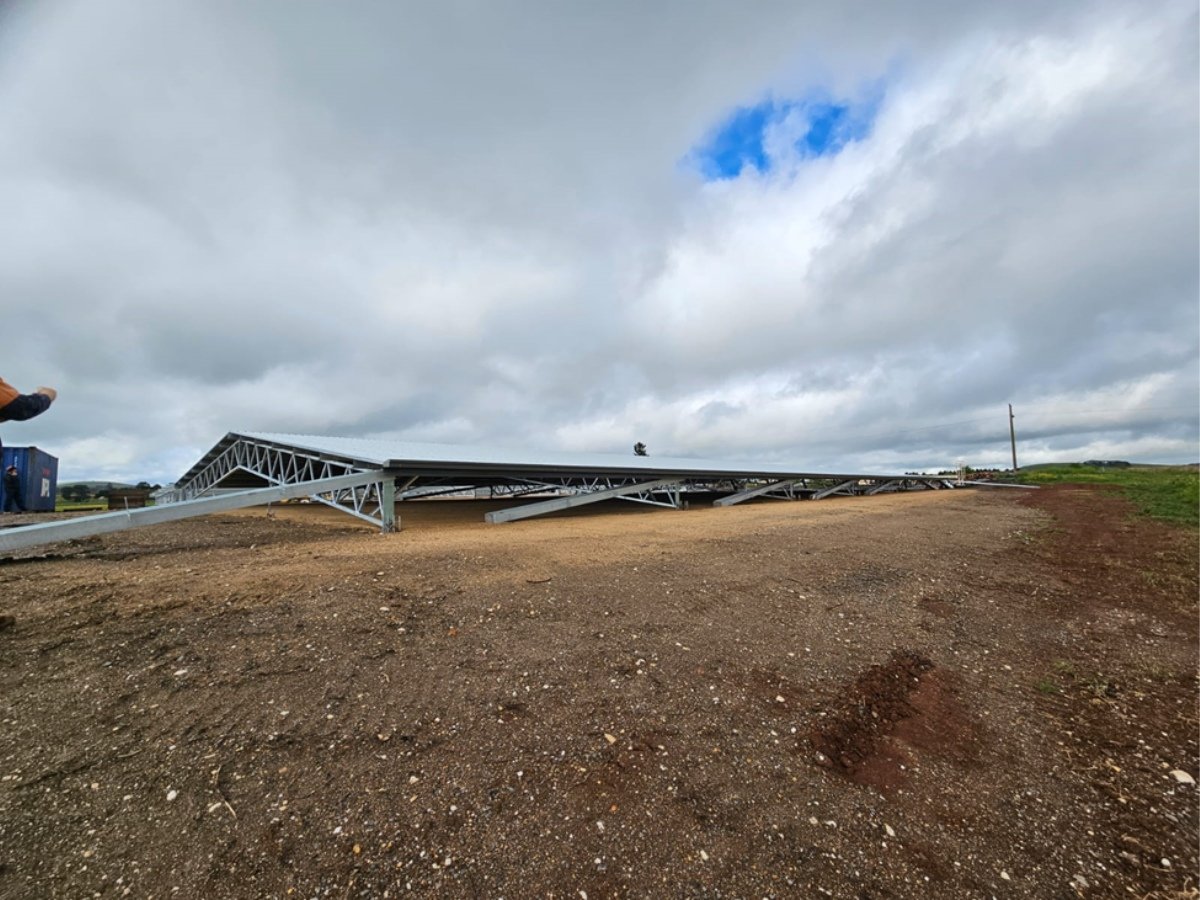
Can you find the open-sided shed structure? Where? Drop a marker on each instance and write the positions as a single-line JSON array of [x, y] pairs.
[[366, 478], [419, 471]]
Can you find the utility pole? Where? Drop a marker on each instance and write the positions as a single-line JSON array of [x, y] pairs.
[[1012, 436]]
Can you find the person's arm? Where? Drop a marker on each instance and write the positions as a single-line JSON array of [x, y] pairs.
[[26, 406]]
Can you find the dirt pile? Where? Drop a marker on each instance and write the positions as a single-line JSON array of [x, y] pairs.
[[890, 710]]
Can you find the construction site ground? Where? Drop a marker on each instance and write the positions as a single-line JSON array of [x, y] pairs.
[[953, 694]]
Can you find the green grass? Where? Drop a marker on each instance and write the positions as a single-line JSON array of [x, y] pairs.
[[1170, 493], [1047, 686], [65, 506]]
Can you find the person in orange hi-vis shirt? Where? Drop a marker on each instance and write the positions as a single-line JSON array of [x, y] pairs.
[[15, 406]]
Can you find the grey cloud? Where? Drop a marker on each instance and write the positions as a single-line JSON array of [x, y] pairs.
[[461, 222]]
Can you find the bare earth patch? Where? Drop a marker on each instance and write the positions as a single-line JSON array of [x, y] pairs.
[[904, 703], [947, 694]]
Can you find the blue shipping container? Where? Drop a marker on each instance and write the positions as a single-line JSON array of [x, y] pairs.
[[39, 477]]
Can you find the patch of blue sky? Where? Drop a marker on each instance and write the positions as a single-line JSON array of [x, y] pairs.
[[737, 143], [815, 127]]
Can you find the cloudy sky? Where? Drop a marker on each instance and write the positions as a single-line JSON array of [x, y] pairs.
[[841, 234]]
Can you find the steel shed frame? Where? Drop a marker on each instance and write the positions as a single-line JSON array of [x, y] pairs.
[[366, 478], [413, 471]]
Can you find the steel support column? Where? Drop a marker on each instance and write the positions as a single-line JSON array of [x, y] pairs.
[[389, 521]]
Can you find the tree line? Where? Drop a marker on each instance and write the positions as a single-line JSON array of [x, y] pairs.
[[81, 493]]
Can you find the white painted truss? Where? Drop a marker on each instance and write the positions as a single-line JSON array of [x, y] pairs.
[[273, 465], [325, 490]]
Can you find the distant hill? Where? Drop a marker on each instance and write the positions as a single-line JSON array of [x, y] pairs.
[[94, 485]]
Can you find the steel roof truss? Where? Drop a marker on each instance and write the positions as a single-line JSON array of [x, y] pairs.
[[651, 497], [517, 487], [778, 489], [595, 491], [105, 523], [432, 490], [846, 487], [280, 467], [355, 501], [893, 484]]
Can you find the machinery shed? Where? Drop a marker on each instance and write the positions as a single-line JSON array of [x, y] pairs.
[[369, 479], [425, 470]]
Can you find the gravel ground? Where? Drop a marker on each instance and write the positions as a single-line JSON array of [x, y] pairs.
[[944, 694]]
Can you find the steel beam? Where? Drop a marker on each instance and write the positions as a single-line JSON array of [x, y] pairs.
[[18, 538], [821, 495], [433, 490], [897, 483], [753, 492], [548, 506]]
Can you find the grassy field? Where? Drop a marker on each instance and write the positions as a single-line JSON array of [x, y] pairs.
[[1171, 493], [61, 505]]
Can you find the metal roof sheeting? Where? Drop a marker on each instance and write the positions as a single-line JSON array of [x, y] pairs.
[[449, 459]]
